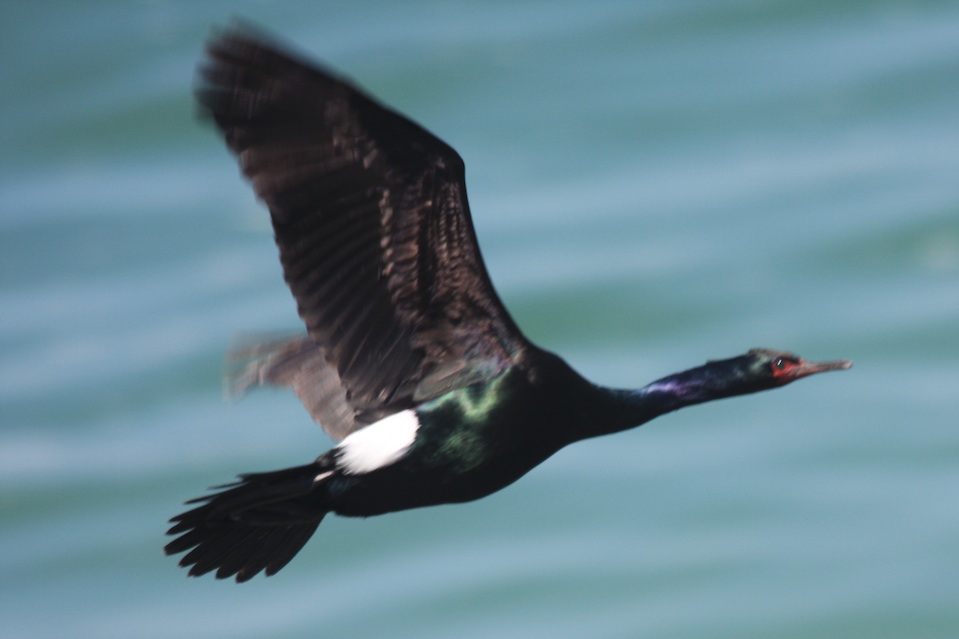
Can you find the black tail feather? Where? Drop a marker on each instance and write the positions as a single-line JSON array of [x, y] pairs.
[[257, 524]]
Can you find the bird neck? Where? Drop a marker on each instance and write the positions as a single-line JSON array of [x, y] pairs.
[[714, 380]]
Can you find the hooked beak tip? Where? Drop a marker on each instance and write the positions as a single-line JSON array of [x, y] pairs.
[[811, 368]]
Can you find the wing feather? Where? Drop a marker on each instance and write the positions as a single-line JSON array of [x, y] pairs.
[[373, 226]]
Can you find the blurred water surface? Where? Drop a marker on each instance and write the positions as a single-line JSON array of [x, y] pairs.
[[653, 184]]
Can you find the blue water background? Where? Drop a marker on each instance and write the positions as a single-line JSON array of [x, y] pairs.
[[653, 184]]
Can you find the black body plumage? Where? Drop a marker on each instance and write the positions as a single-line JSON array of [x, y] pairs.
[[410, 358]]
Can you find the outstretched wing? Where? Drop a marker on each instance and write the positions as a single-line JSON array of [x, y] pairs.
[[371, 219]]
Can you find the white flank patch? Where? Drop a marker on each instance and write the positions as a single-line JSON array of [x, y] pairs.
[[379, 444]]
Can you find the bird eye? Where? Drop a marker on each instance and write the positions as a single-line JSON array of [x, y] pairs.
[[781, 366]]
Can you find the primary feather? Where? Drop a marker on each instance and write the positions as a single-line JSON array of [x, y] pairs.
[[373, 226]]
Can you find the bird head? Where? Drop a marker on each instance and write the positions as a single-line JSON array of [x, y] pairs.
[[769, 368]]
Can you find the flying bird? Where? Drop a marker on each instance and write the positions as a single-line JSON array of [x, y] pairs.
[[410, 360]]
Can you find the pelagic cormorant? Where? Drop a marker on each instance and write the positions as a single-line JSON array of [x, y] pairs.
[[410, 359]]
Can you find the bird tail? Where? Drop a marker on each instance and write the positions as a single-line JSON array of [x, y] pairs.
[[258, 523]]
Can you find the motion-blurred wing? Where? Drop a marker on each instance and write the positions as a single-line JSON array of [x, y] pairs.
[[374, 231]]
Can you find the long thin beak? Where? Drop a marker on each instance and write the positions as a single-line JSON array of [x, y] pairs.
[[811, 368]]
